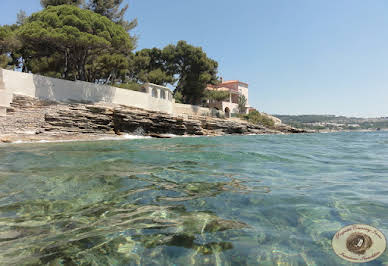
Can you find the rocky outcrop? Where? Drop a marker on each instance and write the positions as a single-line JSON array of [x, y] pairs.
[[275, 120], [42, 117], [94, 119]]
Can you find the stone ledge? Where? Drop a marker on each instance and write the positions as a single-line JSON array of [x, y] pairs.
[[38, 117]]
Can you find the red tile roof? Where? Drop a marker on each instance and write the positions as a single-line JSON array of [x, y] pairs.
[[233, 81]]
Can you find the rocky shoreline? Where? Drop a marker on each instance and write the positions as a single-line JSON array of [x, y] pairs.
[[30, 119]]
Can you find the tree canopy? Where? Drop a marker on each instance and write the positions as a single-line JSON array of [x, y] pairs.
[[8, 44], [112, 9], [74, 38], [89, 40], [108, 8], [217, 95], [21, 17], [183, 65], [5, 33], [150, 65], [194, 68], [46, 3]]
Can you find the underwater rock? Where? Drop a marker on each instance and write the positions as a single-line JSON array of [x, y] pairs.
[[221, 225], [9, 235], [160, 136]]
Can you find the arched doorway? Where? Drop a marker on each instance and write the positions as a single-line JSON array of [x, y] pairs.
[[227, 112]]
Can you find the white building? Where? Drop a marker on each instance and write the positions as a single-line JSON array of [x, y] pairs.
[[236, 89]]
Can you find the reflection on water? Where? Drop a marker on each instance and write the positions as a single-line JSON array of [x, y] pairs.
[[256, 200]]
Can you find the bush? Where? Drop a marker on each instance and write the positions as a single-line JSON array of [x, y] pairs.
[[255, 117], [216, 95], [130, 86], [178, 97]]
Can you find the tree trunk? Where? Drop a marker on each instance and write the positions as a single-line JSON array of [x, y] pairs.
[[66, 70]]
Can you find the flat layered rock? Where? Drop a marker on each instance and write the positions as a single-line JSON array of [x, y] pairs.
[[29, 116]]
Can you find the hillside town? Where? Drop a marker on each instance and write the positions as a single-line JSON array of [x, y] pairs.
[[327, 123]]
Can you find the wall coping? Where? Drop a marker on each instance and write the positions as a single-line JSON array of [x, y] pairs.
[[157, 86]]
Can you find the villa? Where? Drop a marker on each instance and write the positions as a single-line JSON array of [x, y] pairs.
[[236, 89]]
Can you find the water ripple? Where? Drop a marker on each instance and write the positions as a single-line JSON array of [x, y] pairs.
[[233, 200]]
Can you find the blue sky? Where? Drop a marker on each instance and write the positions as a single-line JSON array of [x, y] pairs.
[[299, 56]]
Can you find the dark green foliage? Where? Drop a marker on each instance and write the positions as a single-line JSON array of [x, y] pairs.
[[9, 44], [194, 68], [109, 68], [112, 10], [46, 3], [130, 86], [158, 76], [74, 43], [5, 33], [184, 63], [108, 8], [93, 44], [178, 96], [150, 65], [217, 95]]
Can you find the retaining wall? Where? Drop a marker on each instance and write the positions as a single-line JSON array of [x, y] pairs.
[[188, 109], [78, 91], [154, 98]]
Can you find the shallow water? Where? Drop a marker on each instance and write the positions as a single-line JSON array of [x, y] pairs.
[[235, 200]]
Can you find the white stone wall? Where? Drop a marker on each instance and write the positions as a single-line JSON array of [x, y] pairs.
[[233, 107], [5, 97], [19, 83], [188, 109], [69, 91]]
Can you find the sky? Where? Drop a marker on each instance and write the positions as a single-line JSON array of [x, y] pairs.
[[298, 56]]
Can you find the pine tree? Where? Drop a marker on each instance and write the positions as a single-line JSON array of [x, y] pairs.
[[21, 17], [112, 10], [75, 44], [46, 3]]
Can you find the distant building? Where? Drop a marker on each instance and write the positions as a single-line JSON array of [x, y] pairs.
[[236, 89]]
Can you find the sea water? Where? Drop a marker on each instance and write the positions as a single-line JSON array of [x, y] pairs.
[[233, 200]]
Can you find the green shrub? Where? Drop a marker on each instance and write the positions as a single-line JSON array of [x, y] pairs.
[[255, 117], [130, 86], [216, 95], [178, 97]]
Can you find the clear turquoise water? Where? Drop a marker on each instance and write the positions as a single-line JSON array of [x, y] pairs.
[[235, 200]]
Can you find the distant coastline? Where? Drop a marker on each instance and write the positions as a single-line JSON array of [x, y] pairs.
[[332, 123], [359, 130]]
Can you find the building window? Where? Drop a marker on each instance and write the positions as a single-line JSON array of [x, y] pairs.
[[154, 93], [162, 94]]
